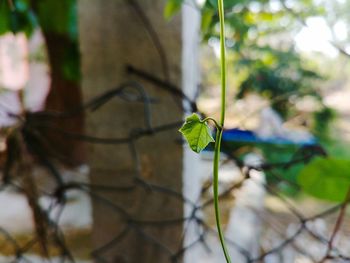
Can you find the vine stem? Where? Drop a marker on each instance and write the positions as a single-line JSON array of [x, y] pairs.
[[220, 130], [218, 127]]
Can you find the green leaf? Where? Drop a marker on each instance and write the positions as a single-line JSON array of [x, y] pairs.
[[207, 17], [171, 8], [58, 17], [327, 179], [19, 20], [197, 133]]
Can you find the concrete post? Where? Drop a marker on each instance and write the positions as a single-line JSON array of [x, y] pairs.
[[113, 36]]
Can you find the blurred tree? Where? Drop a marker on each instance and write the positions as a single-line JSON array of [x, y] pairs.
[[277, 76], [338, 18], [263, 60], [59, 28], [262, 39], [58, 22]]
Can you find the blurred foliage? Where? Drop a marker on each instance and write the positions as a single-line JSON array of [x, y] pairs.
[[323, 119], [172, 7], [19, 18], [58, 17], [277, 76], [284, 177], [261, 55], [52, 17], [263, 60], [338, 17], [327, 179], [260, 37]]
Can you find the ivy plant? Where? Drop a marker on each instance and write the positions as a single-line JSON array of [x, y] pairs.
[[198, 135]]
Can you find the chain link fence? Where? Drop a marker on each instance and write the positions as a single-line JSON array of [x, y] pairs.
[[28, 148]]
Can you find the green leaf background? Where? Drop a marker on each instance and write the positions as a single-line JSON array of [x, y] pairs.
[[171, 8], [327, 178]]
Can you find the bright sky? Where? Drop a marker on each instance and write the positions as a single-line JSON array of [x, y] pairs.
[[316, 36]]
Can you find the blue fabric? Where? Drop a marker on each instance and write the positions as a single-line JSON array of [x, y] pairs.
[[237, 135]]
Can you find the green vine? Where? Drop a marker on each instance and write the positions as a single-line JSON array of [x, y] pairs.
[[197, 133]]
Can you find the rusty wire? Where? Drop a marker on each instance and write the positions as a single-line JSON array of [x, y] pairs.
[[30, 131], [29, 134]]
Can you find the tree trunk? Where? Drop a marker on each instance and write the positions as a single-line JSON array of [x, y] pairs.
[[115, 34], [64, 96]]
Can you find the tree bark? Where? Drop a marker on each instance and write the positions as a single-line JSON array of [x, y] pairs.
[[64, 96]]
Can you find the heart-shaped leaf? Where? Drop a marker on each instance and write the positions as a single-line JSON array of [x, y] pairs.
[[197, 133], [327, 179]]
